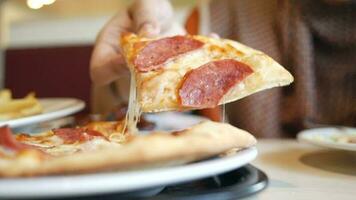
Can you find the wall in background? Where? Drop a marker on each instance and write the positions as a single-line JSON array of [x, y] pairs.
[[64, 23], [59, 32]]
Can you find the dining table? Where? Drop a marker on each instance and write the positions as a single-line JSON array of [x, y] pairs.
[[302, 171]]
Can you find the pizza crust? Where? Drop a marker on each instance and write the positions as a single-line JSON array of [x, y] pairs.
[[263, 78], [154, 150]]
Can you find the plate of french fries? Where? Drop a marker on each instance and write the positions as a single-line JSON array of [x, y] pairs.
[[18, 112]]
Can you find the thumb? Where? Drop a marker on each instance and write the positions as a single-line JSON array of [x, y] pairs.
[[149, 29], [151, 17]]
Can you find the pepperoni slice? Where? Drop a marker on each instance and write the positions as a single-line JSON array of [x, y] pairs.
[[72, 135], [203, 87], [8, 140], [159, 51]]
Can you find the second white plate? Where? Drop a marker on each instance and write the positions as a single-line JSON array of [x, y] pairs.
[[173, 121], [330, 137], [53, 108]]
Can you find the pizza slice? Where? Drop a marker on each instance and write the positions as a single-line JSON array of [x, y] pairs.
[[102, 146], [196, 72]]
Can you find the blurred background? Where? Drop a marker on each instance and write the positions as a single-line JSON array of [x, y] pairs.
[[46, 47], [46, 44]]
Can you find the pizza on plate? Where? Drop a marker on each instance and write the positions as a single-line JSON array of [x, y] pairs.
[[102, 146]]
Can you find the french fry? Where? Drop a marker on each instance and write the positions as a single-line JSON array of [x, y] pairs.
[[5, 96], [16, 108]]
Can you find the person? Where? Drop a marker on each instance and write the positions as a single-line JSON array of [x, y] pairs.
[[315, 40], [149, 18]]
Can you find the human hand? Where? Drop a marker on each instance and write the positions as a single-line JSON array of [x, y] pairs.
[[149, 18]]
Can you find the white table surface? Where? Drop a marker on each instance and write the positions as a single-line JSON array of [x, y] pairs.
[[302, 171]]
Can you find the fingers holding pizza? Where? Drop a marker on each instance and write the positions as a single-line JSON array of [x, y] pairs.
[[147, 18]]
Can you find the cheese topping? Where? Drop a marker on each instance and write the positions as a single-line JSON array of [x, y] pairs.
[[133, 111]]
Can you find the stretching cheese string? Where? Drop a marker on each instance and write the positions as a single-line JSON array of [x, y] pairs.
[[223, 113], [133, 110], [223, 110]]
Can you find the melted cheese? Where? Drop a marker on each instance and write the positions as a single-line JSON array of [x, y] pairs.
[[133, 112], [118, 137], [48, 141], [91, 145], [223, 113], [131, 45], [98, 143]]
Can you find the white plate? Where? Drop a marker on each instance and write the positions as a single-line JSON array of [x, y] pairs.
[[325, 137], [173, 121], [53, 108], [101, 183]]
